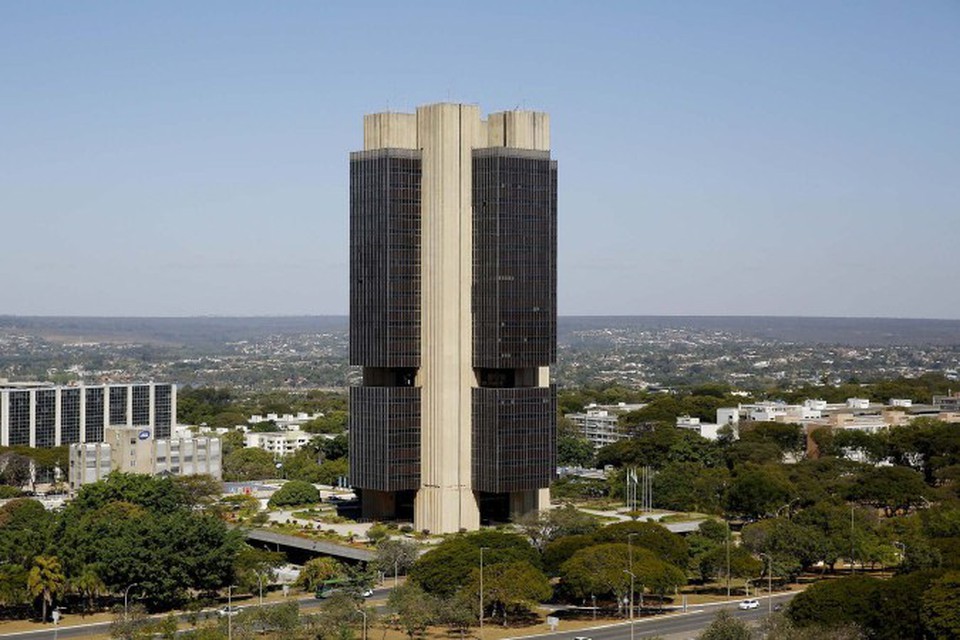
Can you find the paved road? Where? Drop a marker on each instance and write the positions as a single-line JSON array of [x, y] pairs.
[[688, 624], [101, 628]]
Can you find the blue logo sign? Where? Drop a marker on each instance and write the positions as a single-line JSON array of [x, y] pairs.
[[144, 434]]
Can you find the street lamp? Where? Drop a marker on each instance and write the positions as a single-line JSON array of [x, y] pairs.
[[727, 522], [630, 561], [482, 549], [364, 614], [396, 562], [260, 585], [769, 582], [230, 612], [126, 593], [632, 578]]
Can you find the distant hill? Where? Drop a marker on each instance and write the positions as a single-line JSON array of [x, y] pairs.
[[204, 332]]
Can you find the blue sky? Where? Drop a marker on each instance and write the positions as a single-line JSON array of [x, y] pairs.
[[775, 158]]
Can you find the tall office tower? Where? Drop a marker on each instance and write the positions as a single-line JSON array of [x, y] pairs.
[[453, 243]]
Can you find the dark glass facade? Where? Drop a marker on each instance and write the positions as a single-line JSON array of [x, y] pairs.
[[118, 406], [385, 438], [514, 297], [162, 410], [93, 419], [141, 405], [69, 416], [385, 258], [514, 438], [46, 418], [19, 418]]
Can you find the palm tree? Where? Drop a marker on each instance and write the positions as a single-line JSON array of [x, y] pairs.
[[88, 585], [45, 580]]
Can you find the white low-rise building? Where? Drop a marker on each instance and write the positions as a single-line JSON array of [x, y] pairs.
[[704, 429], [135, 450], [286, 421], [279, 443]]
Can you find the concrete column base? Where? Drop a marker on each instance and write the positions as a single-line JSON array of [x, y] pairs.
[[445, 510]]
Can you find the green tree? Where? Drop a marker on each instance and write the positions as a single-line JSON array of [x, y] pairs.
[[726, 627], [562, 549], [543, 527], [333, 422], [46, 581], [331, 470], [687, 486], [713, 564], [249, 464], [416, 608], [334, 448], [890, 488], [834, 602], [788, 438], [792, 546], [459, 612], [318, 570], [941, 607], [88, 586], [657, 538], [574, 451], [295, 493], [395, 557], [511, 588], [135, 530], [448, 566], [14, 470], [26, 529], [759, 491], [253, 567]]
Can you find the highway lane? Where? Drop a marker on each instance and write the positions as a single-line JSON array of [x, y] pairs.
[[695, 620], [692, 622], [103, 628]]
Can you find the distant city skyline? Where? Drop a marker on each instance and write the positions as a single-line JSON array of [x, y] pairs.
[[743, 158]]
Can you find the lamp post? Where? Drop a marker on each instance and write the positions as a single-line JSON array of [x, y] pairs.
[[632, 578], [852, 551], [126, 593], [364, 614], [769, 582], [482, 549], [396, 571], [727, 522], [630, 561], [594, 598], [230, 612], [260, 585]]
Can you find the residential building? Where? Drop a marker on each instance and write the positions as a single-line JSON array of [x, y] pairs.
[[135, 450], [453, 315], [37, 414], [707, 430], [949, 402], [598, 426], [286, 421], [279, 443], [599, 423]]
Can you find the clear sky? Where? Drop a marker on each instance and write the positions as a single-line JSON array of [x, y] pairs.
[[775, 158]]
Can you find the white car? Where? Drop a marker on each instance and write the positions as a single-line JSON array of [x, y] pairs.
[[225, 612], [366, 593], [749, 604]]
